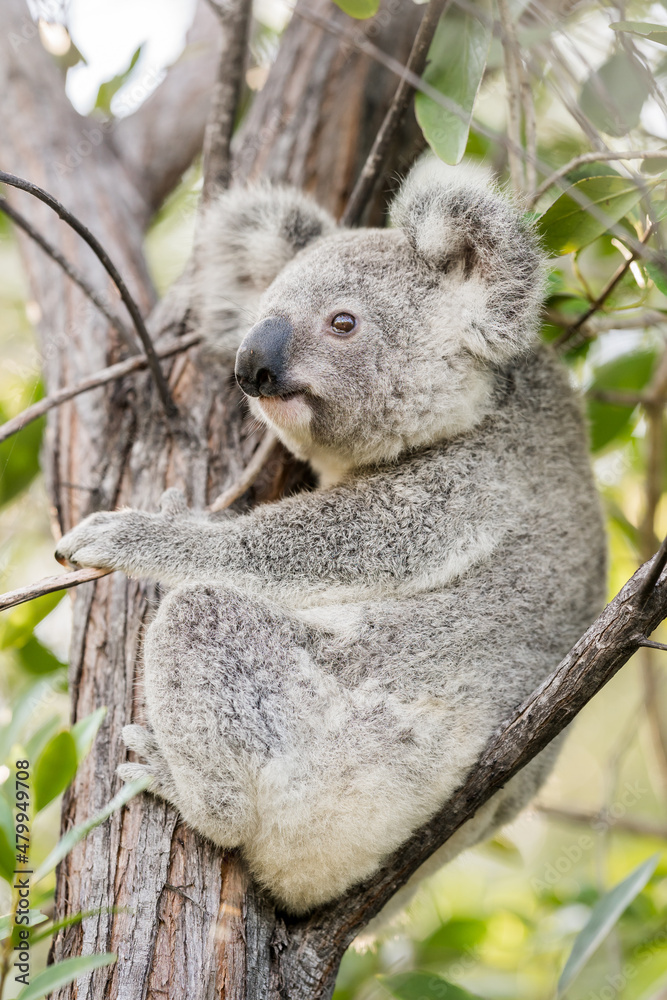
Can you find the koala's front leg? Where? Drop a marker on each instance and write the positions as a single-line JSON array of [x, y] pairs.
[[136, 542]]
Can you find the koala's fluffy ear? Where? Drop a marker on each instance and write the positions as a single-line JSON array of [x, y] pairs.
[[246, 237], [461, 226]]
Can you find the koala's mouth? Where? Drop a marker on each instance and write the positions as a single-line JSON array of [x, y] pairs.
[[285, 409]]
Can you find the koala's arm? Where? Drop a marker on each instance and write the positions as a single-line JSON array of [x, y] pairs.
[[246, 237], [375, 535]]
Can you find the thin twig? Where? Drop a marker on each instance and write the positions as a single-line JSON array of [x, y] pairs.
[[71, 272], [658, 563], [73, 579], [606, 155], [50, 585], [109, 374], [643, 828], [614, 397], [365, 185], [235, 17], [652, 645], [249, 474], [600, 300], [112, 271], [513, 88]]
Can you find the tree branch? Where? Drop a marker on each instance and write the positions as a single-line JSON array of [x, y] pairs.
[[416, 64], [69, 269], [235, 17], [112, 271], [106, 375], [600, 155], [600, 300], [626, 824]]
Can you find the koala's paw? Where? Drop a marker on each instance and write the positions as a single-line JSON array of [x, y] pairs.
[[143, 742], [109, 541]]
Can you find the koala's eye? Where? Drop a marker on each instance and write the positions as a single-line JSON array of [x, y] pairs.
[[343, 324]]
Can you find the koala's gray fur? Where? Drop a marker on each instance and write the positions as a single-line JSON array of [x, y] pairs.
[[328, 668]]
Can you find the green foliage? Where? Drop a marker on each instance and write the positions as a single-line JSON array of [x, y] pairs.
[[55, 768], [603, 918], [62, 973], [628, 373], [613, 97], [652, 32], [360, 9], [457, 58], [19, 459], [569, 223]]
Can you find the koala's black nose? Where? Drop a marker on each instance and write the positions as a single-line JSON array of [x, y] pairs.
[[261, 360]]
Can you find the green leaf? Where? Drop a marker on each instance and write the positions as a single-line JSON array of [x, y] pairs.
[[36, 659], [568, 226], [423, 986], [360, 9], [17, 627], [19, 460], [627, 373], [612, 98], [63, 973], [78, 833], [457, 58], [85, 731], [55, 768], [652, 32], [603, 918], [657, 276], [7, 839]]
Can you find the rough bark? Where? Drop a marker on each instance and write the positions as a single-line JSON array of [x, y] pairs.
[[187, 923]]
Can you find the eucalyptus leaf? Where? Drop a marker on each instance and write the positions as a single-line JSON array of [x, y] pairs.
[[613, 96], [55, 768], [85, 731], [62, 973], [603, 918], [627, 373], [567, 225], [17, 627], [360, 9], [657, 276], [651, 32], [457, 58], [78, 833], [19, 459], [36, 659], [423, 986]]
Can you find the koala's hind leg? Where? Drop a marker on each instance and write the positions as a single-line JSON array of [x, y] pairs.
[[267, 750]]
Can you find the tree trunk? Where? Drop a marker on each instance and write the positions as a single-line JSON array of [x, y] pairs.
[[187, 922]]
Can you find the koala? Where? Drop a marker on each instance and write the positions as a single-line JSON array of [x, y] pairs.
[[325, 670]]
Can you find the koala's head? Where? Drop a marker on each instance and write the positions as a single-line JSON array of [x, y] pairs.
[[370, 342]]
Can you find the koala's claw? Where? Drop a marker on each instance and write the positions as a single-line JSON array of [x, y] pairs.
[[130, 772], [143, 742]]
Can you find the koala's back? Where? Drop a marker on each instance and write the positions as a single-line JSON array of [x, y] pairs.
[[517, 610]]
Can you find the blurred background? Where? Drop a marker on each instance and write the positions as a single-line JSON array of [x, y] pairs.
[[501, 920]]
